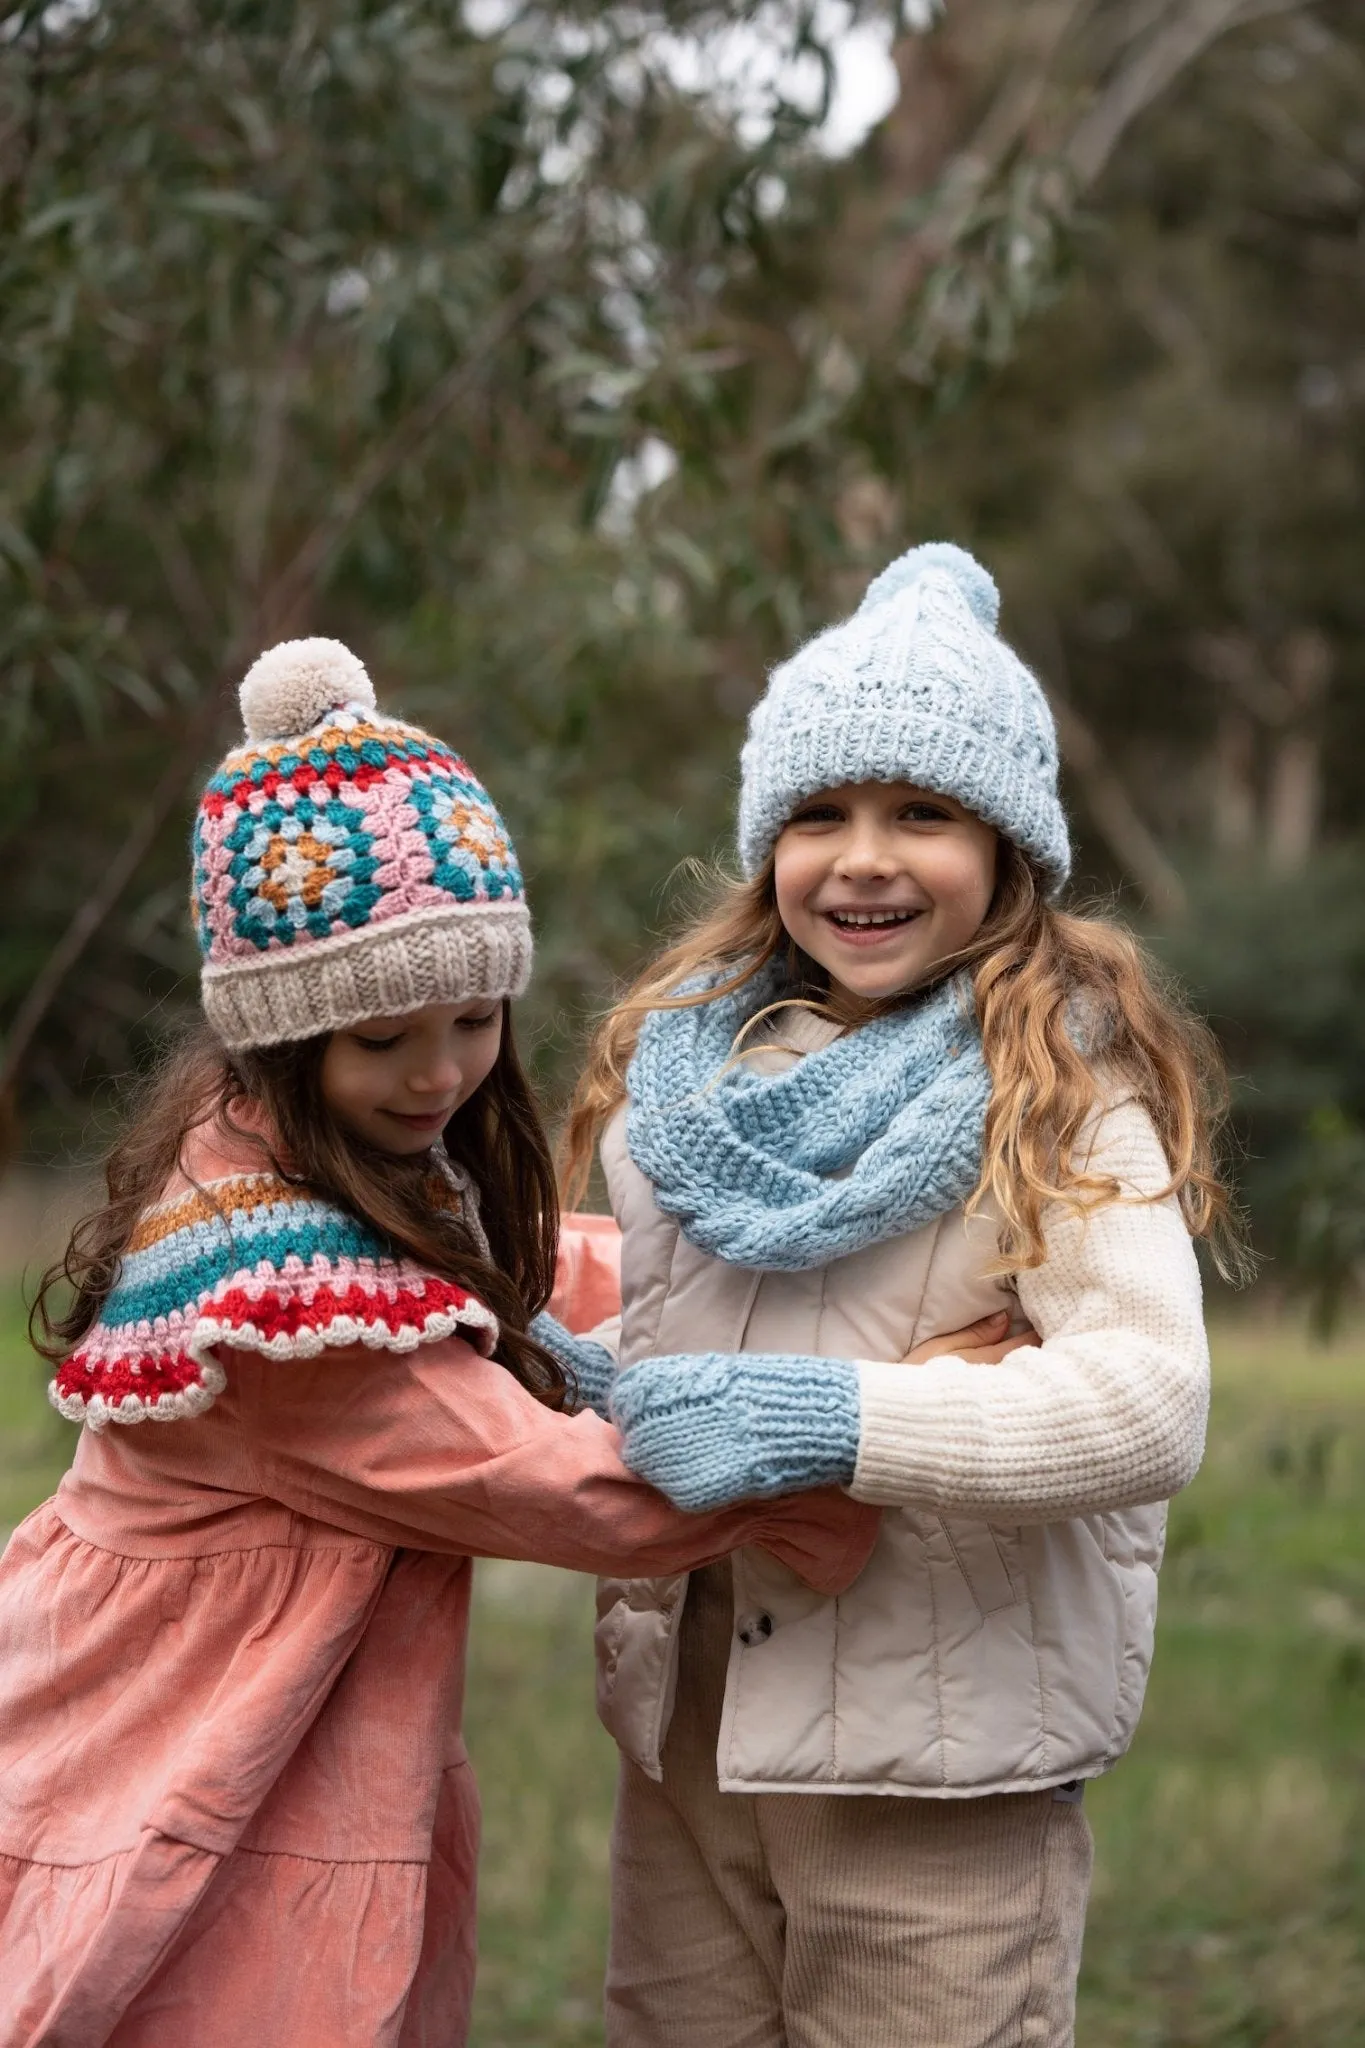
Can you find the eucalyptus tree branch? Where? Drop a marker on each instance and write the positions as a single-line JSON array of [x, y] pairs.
[[1154, 66], [252, 522], [92, 912], [1113, 812], [1006, 120], [15, 188], [181, 575], [1160, 45], [290, 590], [278, 603], [965, 173]]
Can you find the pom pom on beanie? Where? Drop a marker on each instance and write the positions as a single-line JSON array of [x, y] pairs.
[[290, 687], [975, 582]]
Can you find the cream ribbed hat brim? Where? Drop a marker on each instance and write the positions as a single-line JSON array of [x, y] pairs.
[[448, 953]]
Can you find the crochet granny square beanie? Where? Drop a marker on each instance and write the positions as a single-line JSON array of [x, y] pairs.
[[346, 865], [916, 687]]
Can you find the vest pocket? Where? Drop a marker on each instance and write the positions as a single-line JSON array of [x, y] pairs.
[[981, 1563]]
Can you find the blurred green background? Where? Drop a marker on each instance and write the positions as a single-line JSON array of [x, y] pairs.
[[573, 362]]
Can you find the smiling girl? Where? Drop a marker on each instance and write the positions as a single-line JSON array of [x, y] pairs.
[[235, 1805], [907, 1161]]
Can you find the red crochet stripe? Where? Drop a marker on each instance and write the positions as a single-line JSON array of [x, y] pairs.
[[115, 1377], [147, 1378], [286, 1314], [334, 775], [303, 777]]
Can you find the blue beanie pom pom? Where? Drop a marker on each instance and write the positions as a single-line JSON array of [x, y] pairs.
[[976, 584]]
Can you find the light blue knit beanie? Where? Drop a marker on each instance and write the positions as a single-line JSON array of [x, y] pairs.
[[916, 687]]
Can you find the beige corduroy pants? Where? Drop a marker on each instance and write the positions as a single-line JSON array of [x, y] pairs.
[[806, 1921]]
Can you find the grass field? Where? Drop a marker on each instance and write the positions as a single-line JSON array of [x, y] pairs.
[[1229, 1904]]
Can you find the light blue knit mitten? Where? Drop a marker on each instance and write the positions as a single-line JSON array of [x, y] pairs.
[[713, 1427], [591, 1364]]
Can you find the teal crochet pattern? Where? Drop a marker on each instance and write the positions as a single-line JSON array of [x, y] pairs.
[[717, 1427], [866, 1139]]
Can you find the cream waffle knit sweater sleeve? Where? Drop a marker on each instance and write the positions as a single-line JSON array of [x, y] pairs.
[[1109, 1413]]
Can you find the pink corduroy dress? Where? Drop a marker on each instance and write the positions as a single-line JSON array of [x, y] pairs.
[[235, 1804]]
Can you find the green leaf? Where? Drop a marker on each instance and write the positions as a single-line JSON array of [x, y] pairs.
[[64, 213], [216, 205]]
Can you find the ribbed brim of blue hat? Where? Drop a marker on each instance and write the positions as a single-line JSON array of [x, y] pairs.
[[952, 759]]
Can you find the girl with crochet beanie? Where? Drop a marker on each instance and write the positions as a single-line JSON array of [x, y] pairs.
[[235, 1806], [907, 1162]]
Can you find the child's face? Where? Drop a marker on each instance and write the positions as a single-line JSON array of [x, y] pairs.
[[879, 881], [395, 1081]]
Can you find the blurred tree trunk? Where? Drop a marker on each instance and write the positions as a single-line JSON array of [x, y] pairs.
[[1276, 711]]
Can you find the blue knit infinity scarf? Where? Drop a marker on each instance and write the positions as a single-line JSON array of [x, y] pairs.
[[896, 1108]]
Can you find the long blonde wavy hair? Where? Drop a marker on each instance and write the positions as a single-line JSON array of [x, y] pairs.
[[1042, 979]]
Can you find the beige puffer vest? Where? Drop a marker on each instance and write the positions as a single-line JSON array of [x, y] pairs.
[[972, 1655]]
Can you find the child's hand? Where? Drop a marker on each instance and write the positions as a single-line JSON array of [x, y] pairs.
[[984, 1342]]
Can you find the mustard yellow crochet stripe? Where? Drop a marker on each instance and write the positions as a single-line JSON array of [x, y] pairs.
[[330, 737], [223, 1198]]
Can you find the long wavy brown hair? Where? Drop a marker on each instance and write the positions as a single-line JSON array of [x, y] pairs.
[[497, 1136], [1072, 1010]]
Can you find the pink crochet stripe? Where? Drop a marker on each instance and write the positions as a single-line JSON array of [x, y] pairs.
[[401, 848], [163, 1338]]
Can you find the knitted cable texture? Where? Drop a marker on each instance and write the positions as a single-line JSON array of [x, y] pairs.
[[716, 1427], [915, 687], [591, 1364], [863, 1140], [346, 865], [251, 1263], [1110, 1413]]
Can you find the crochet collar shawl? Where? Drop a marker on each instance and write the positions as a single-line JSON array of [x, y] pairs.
[[249, 1262], [865, 1139]]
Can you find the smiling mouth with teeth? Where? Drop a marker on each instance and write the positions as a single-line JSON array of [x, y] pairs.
[[858, 920]]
